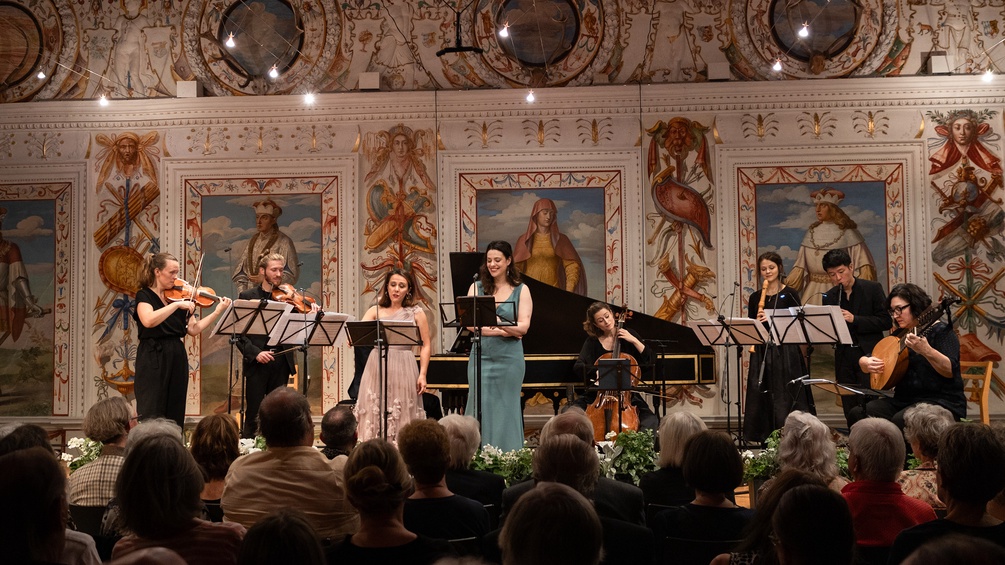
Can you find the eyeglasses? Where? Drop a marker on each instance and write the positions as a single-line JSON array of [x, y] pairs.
[[898, 310]]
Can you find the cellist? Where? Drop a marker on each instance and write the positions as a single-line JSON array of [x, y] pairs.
[[601, 327]]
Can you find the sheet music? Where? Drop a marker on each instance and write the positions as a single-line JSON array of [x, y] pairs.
[[824, 324], [297, 327], [746, 331]]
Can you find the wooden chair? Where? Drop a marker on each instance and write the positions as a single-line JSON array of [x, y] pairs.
[[978, 374]]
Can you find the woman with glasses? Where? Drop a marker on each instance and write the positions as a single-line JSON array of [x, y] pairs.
[[933, 363]]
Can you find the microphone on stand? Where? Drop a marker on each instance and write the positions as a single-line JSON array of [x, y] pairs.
[[798, 379]]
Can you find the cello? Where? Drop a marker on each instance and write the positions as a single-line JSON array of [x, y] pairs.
[[612, 411]]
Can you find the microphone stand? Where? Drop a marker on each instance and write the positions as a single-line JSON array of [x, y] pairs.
[[739, 353]]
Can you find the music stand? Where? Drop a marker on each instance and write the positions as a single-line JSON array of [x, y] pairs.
[[808, 325], [477, 312], [732, 332], [243, 318], [842, 389], [302, 330], [382, 334]]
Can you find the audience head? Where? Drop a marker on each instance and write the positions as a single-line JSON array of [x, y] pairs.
[[150, 556], [923, 426], [216, 443], [971, 459], [154, 427], [33, 499], [567, 459], [552, 524], [284, 536], [109, 420], [957, 548], [876, 450], [813, 526], [572, 421], [806, 444], [757, 534], [158, 487], [377, 481], [284, 419], [464, 436], [6, 429], [711, 463], [424, 446], [338, 428], [25, 436], [675, 430]]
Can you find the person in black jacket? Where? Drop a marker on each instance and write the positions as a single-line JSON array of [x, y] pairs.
[[264, 371], [863, 306]]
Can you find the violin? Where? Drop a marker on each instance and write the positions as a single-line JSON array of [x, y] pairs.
[[613, 410], [202, 295], [286, 293]]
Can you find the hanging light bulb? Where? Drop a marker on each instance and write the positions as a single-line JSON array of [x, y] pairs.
[[230, 41], [777, 66], [41, 75], [805, 31], [103, 100], [989, 75], [530, 96], [504, 32], [309, 98], [274, 72]]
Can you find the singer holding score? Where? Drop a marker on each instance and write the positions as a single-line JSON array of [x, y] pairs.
[[771, 392], [502, 359], [933, 363], [863, 306], [405, 381], [161, 361]]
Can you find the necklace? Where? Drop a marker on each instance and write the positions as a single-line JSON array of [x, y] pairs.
[[827, 245]]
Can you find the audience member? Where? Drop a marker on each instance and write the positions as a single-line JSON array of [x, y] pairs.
[[284, 536], [158, 492], [923, 426], [433, 510], [23, 437], [154, 427], [464, 437], [290, 473], [151, 556], [757, 545], [338, 433], [107, 422], [33, 499], [611, 498], [215, 444], [713, 466], [666, 486], [813, 527], [971, 459], [552, 525], [806, 445], [377, 483], [996, 507], [879, 509], [957, 548]]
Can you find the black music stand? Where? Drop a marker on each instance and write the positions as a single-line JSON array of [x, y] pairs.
[[808, 325], [477, 312], [243, 318], [382, 334], [615, 375], [738, 333], [302, 330]]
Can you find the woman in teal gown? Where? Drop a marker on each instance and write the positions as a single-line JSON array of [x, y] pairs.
[[501, 350]]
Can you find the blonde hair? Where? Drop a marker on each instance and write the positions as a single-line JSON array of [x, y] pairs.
[[675, 430], [153, 262]]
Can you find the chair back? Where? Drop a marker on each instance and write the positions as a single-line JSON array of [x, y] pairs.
[[867, 555], [681, 551], [978, 375], [652, 509], [467, 546], [88, 519]]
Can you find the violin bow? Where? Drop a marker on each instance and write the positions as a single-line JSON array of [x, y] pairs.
[[198, 279]]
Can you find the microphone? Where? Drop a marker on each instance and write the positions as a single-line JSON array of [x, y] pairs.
[[474, 277], [798, 379], [226, 249], [300, 264]]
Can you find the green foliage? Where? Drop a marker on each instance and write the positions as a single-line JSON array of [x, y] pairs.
[[762, 465], [89, 451], [634, 454], [513, 466]]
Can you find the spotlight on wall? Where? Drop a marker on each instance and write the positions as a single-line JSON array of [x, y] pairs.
[[530, 96], [274, 72], [103, 100], [777, 66], [988, 76], [504, 32], [41, 75], [805, 31], [230, 41], [309, 98]]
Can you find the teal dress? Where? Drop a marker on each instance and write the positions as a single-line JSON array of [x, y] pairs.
[[502, 377]]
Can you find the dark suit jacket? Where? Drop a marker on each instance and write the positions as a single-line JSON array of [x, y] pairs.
[[612, 499], [482, 486], [252, 345], [867, 303]]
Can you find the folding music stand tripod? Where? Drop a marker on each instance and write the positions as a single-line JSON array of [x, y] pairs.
[[808, 325], [302, 330], [477, 312], [243, 318], [382, 334], [732, 332]]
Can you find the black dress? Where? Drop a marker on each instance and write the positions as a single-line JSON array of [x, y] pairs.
[[771, 398], [584, 366], [161, 363]]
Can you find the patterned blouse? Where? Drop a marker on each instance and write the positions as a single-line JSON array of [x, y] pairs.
[[920, 483]]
